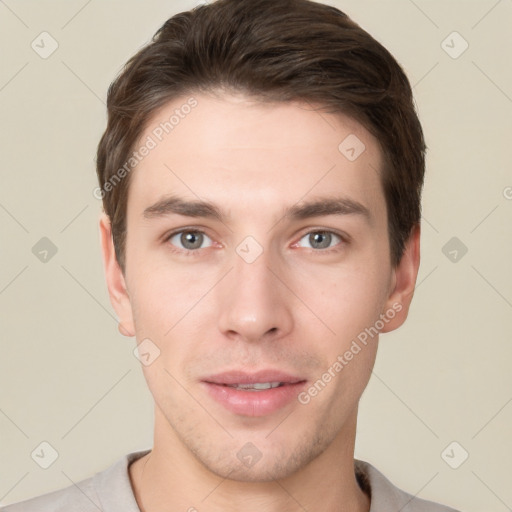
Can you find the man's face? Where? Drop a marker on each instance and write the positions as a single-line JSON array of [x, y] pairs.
[[257, 289]]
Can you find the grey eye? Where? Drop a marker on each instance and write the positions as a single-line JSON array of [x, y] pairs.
[[188, 240], [320, 239]]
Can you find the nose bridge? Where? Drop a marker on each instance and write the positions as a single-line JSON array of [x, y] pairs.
[[252, 275], [252, 301]]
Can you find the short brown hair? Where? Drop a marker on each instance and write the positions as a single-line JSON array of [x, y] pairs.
[[276, 51]]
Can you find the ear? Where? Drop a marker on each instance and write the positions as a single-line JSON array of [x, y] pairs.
[[116, 284], [403, 283]]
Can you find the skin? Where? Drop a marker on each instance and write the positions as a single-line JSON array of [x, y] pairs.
[[295, 308]]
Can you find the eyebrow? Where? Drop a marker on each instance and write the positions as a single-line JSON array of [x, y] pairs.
[[204, 209]]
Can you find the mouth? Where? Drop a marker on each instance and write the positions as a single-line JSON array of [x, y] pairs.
[[257, 386], [257, 394]]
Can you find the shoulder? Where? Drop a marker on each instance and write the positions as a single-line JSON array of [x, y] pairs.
[[386, 497], [80, 498], [105, 491]]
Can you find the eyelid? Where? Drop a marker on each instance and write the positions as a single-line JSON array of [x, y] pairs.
[[322, 229], [187, 229], [345, 239]]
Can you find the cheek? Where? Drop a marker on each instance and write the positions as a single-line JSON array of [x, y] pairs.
[[173, 309], [350, 306], [162, 296], [347, 299]]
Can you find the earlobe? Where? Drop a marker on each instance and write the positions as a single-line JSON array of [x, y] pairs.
[[115, 279], [404, 281]]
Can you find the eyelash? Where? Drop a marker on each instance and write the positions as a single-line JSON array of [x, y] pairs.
[[196, 252]]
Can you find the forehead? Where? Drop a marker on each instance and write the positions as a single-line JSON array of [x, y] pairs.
[[234, 150]]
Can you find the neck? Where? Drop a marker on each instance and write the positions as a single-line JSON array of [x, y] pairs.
[[170, 477]]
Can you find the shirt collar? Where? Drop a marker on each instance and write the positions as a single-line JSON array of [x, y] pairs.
[[113, 487]]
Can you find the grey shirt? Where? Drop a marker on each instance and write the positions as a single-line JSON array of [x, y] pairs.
[[111, 491]]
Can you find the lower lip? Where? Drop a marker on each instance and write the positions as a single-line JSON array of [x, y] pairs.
[[254, 403]]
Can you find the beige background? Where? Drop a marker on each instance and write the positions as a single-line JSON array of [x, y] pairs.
[[70, 379]]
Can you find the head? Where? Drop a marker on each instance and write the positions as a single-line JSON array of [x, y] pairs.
[[233, 121]]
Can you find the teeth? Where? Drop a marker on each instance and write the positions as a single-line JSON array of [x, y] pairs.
[[257, 386]]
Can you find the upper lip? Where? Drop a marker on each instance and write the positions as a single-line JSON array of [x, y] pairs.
[[242, 377]]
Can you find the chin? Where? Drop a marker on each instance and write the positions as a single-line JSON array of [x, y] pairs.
[[245, 462]]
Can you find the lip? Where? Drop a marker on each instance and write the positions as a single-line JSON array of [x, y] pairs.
[[241, 377], [253, 403]]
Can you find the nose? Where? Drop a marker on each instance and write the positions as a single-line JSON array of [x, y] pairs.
[[254, 304]]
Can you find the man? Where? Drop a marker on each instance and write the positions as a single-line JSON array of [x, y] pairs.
[[261, 175]]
